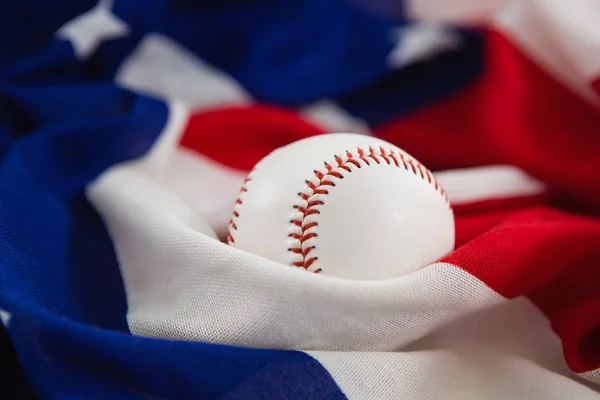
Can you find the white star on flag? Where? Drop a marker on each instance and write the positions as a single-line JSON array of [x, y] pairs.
[[89, 29], [5, 317], [419, 41]]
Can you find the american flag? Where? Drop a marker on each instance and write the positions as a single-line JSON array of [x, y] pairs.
[[127, 128]]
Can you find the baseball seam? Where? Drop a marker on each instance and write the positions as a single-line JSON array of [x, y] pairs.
[[236, 213], [313, 197]]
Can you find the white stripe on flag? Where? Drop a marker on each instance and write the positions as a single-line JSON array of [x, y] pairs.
[[161, 67], [574, 27], [592, 376], [332, 118], [508, 352], [453, 11], [157, 160], [536, 28], [208, 187], [488, 183]]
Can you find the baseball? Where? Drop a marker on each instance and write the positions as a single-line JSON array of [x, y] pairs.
[[343, 205]]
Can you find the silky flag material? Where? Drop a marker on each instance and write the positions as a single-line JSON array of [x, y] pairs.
[[128, 127]]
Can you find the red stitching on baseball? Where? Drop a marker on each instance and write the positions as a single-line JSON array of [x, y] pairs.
[[312, 206], [236, 214]]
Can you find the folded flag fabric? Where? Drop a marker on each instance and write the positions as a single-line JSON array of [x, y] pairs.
[[128, 127]]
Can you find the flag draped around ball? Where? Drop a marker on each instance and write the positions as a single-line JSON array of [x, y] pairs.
[[127, 129]]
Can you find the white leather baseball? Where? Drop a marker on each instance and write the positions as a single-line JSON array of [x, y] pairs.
[[344, 205]]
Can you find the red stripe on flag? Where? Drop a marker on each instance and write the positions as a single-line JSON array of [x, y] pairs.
[[573, 305], [476, 218], [239, 137], [515, 113], [596, 85], [503, 204], [552, 258]]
